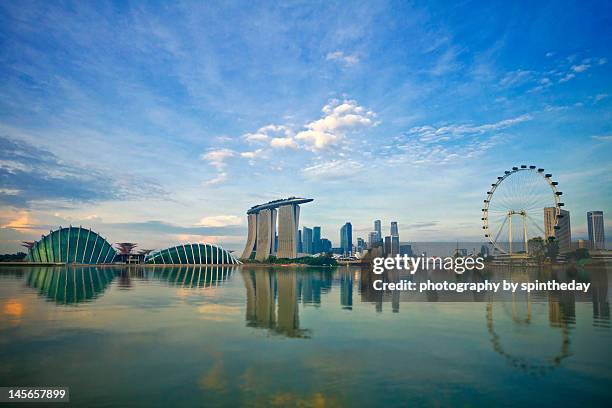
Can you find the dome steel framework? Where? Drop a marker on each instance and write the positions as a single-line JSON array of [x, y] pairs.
[[192, 254]]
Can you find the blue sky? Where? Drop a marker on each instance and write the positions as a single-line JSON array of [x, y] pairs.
[[163, 123]]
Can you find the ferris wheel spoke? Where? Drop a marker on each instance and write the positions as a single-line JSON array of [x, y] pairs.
[[500, 230], [515, 208], [536, 224]]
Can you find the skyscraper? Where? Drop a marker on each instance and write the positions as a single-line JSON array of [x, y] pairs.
[[307, 240], [395, 245], [316, 240], [378, 229], [326, 245], [360, 244], [346, 238], [388, 245], [372, 239], [394, 230], [595, 226], [563, 233], [300, 247]]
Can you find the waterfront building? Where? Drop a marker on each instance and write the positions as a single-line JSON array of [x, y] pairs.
[[372, 239], [346, 238], [405, 249], [378, 228], [387, 245], [562, 233], [72, 245], [595, 226], [307, 240], [395, 245], [300, 243], [262, 226], [394, 230], [316, 240], [326, 245], [361, 245]]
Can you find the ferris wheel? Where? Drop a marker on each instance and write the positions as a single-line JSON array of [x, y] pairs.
[[521, 205]]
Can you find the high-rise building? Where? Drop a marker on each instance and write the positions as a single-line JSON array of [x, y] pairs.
[[388, 245], [361, 245], [300, 246], [394, 230], [307, 240], [326, 245], [595, 226], [372, 239], [405, 249], [562, 233], [346, 238], [395, 245], [316, 240], [378, 229], [549, 221], [262, 239]]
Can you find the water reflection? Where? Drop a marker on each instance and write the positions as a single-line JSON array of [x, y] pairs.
[[198, 276], [70, 285], [272, 301]]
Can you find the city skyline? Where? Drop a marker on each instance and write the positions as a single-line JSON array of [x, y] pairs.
[[159, 132]]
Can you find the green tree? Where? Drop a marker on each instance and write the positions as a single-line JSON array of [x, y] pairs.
[[537, 248], [552, 248]]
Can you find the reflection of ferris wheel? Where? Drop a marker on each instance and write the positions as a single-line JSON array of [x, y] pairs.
[[522, 204]]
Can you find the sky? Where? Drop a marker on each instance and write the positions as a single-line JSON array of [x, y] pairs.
[[162, 123]]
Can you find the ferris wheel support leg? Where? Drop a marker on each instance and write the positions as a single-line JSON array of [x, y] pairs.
[[510, 234], [525, 234]]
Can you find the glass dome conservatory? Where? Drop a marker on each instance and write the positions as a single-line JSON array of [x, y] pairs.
[[192, 254], [72, 245]]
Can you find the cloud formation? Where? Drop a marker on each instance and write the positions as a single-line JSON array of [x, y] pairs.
[[347, 60], [30, 174], [338, 119]]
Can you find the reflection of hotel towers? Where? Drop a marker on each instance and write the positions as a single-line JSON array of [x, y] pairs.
[[262, 287], [262, 229]]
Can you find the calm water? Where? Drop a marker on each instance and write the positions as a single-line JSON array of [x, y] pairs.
[[158, 337]]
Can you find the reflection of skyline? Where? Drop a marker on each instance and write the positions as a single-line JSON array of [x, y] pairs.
[[272, 301], [193, 276], [70, 285], [76, 284]]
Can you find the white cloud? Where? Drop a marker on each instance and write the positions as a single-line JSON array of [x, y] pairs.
[[516, 78], [264, 134], [220, 221], [600, 97], [606, 138], [602, 61], [345, 59], [282, 142], [430, 134], [567, 77], [580, 68], [9, 191], [333, 169], [216, 158], [331, 128], [252, 155], [220, 178], [13, 166]]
